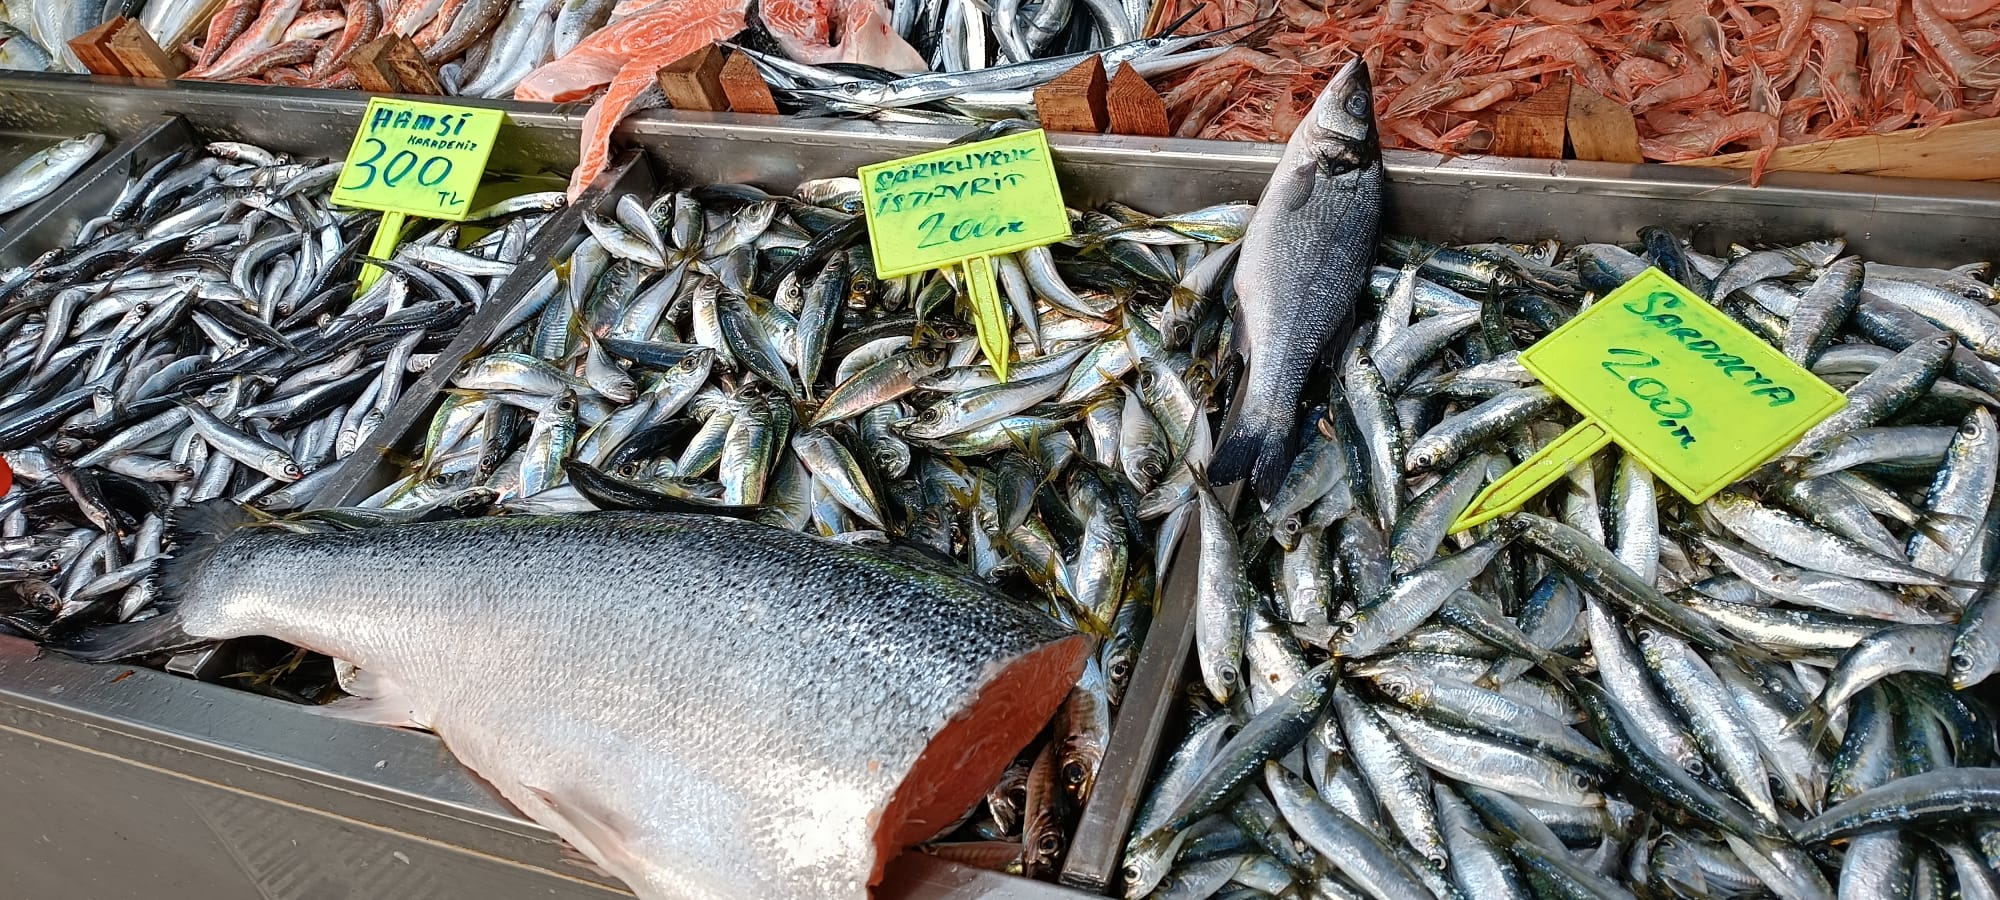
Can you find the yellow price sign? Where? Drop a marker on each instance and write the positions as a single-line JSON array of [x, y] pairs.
[[414, 159], [1695, 396], [964, 204], [420, 159]]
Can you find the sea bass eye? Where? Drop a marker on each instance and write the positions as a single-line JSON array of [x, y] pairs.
[[1357, 105]]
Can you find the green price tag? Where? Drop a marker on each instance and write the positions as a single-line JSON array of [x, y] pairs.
[[1697, 398], [420, 159], [964, 204]]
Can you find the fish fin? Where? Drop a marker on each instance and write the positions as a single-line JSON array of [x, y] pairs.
[[377, 700], [603, 843], [575, 857], [1557, 666], [195, 533], [1237, 454], [128, 640]]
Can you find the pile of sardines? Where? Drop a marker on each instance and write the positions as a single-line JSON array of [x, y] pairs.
[[207, 337], [649, 371], [1613, 692]]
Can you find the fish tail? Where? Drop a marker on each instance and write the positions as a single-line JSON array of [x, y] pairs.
[[1260, 446], [127, 640], [1235, 457], [195, 532]]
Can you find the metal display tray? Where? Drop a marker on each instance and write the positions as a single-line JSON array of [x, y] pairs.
[[213, 792], [22, 235]]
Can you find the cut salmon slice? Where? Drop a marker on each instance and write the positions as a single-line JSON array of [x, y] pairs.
[[626, 56]]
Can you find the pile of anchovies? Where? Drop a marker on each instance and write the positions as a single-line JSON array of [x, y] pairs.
[[1613, 692], [206, 337], [648, 371]]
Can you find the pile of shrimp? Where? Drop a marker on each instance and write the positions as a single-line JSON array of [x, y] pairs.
[[1702, 76]]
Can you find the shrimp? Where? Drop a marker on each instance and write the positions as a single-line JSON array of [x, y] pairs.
[[1204, 108], [1691, 82], [1556, 12], [1551, 42], [1415, 133], [1966, 64], [1637, 73], [1794, 16], [1960, 10], [1450, 31], [1714, 133], [1840, 53], [1885, 50]]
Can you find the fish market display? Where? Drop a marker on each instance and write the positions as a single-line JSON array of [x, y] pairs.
[[45, 170], [1702, 76], [650, 372], [201, 339], [1612, 692], [707, 708]]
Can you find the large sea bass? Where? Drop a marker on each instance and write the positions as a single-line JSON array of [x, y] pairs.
[[705, 707], [1306, 255]]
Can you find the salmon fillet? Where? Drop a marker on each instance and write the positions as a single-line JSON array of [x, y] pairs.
[[626, 56]]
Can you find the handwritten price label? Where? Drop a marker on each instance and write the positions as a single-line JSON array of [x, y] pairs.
[[1697, 397], [949, 205], [422, 159], [964, 204]]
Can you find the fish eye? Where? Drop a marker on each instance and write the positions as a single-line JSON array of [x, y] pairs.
[[1050, 843], [1349, 628], [1960, 662], [1357, 104], [1073, 773], [933, 414], [1120, 669]]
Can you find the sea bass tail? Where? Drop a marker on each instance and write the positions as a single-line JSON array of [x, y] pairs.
[[1260, 447]]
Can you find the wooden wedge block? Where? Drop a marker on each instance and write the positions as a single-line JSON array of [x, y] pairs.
[[1959, 152], [93, 48], [1074, 100], [392, 64], [745, 87], [1533, 127], [1600, 128], [695, 81], [139, 54], [1135, 108]]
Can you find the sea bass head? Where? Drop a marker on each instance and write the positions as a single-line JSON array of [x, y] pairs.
[[1342, 122]]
